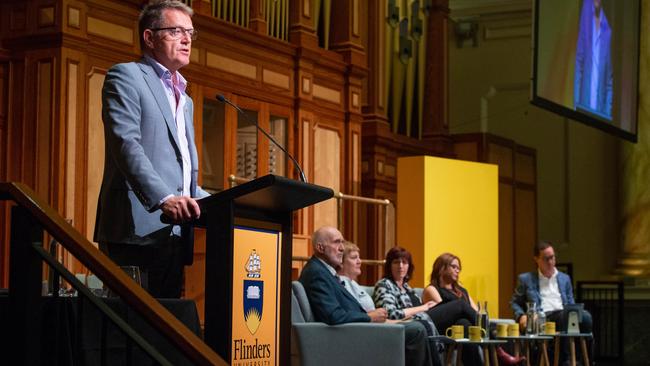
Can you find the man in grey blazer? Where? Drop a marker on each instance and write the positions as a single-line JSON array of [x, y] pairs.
[[151, 164], [550, 290]]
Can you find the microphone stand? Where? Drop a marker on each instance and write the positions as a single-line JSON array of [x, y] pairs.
[[223, 99]]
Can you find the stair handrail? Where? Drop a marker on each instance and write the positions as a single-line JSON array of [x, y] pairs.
[[117, 280]]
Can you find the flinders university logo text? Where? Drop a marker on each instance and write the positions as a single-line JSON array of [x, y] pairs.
[[250, 351]]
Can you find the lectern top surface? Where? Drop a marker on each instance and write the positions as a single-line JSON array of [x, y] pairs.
[[270, 193]]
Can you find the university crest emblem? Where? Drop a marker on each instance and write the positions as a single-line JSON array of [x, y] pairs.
[[253, 293], [253, 301]]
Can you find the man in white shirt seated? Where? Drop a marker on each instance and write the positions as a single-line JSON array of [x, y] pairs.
[[549, 289]]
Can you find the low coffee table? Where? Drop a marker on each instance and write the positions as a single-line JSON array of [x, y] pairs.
[[488, 346], [572, 347]]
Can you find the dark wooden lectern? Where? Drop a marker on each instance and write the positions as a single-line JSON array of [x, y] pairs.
[[264, 207]]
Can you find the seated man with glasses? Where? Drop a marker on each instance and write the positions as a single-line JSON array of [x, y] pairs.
[[333, 304], [549, 289]]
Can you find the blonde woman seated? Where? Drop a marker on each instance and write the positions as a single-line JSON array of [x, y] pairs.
[[349, 271], [453, 305], [395, 295], [417, 352]]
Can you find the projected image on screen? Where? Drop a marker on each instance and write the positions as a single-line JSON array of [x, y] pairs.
[[586, 61]]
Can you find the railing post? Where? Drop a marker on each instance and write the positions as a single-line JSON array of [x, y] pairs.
[[25, 276]]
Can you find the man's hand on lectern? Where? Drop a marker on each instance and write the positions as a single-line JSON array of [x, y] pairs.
[[181, 209]]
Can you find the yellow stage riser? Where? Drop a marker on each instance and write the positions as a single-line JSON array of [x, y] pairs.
[[448, 205]]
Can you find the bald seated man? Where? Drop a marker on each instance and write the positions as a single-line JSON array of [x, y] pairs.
[[333, 304]]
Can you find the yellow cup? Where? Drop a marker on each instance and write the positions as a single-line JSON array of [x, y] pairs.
[[502, 330], [457, 331], [476, 333], [549, 328], [513, 330]]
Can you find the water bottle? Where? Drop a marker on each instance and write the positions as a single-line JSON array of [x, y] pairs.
[[486, 320], [483, 320], [530, 318], [541, 320]]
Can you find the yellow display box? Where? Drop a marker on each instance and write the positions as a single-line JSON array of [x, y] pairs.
[[448, 205]]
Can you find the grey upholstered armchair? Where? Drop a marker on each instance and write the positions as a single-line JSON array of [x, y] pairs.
[[314, 343]]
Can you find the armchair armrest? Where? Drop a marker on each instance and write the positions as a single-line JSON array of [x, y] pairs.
[[348, 344]]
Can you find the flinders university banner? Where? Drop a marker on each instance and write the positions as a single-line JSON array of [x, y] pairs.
[[256, 297]]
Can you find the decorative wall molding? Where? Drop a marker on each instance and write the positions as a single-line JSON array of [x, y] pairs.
[[328, 94], [105, 29], [275, 78], [231, 65]]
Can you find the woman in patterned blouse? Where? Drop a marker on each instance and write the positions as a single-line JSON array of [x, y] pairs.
[[395, 295]]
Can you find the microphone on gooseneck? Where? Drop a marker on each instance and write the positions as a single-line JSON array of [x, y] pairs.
[[223, 99]]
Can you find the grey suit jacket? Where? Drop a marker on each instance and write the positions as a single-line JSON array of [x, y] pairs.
[[143, 162], [527, 290]]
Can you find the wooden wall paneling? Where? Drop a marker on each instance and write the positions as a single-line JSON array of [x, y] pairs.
[[506, 246], [257, 66], [304, 145], [352, 178], [280, 111], [4, 79], [73, 96], [15, 81], [94, 145], [194, 275], [230, 141], [263, 142], [249, 104], [4, 205], [501, 152], [196, 92], [45, 127], [525, 208], [353, 157], [111, 28], [525, 229], [194, 279], [328, 169], [525, 166]]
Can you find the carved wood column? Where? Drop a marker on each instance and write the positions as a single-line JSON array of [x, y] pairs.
[[345, 39], [303, 35], [435, 127], [301, 28], [203, 7], [257, 19]]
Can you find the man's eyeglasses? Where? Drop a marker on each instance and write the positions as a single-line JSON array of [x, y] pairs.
[[178, 32]]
